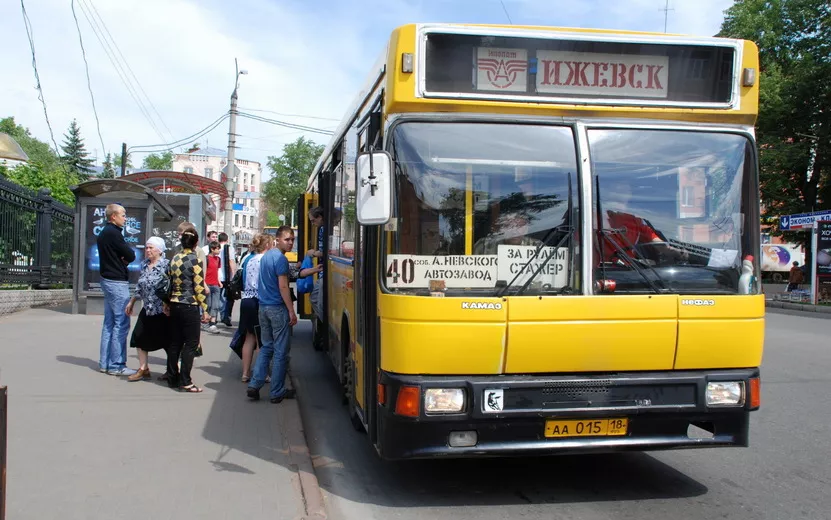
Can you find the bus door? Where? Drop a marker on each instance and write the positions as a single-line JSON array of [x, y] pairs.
[[306, 239]]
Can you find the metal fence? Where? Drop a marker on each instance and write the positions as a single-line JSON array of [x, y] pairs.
[[35, 238]]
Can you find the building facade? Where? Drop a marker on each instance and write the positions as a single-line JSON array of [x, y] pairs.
[[248, 213]]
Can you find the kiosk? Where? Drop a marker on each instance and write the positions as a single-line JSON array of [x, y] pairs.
[[145, 208]]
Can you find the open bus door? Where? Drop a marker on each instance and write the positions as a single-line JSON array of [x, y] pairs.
[[306, 239]]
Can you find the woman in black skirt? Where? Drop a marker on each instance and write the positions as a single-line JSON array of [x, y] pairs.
[[152, 331]]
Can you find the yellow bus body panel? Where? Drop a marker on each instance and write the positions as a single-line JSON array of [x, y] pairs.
[[591, 333], [423, 335], [730, 333]]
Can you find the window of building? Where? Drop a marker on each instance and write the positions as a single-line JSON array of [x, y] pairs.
[[209, 172], [236, 220], [188, 169], [688, 196]]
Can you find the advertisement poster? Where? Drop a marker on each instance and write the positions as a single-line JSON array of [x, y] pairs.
[[824, 250], [780, 257], [134, 235], [169, 231]]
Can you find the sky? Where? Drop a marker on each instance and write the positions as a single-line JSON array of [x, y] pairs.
[[305, 60]]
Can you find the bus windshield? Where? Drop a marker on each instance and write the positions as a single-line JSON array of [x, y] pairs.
[[668, 209], [484, 208], [493, 209]]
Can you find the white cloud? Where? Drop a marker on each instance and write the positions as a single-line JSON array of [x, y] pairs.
[[302, 58]]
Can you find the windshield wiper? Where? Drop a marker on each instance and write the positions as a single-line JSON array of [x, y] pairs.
[[545, 239], [603, 232]]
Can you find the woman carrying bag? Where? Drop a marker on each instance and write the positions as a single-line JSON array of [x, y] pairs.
[[152, 330]]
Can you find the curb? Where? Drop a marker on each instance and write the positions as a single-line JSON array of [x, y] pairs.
[[798, 309], [300, 457]]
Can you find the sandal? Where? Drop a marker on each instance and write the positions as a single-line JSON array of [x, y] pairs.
[[192, 389], [246, 379]]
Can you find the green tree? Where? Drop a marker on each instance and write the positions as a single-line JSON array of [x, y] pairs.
[[109, 167], [75, 154], [44, 169], [35, 177], [289, 174], [162, 161], [38, 151], [794, 127], [271, 219]]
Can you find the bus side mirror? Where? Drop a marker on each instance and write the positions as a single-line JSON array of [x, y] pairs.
[[374, 194]]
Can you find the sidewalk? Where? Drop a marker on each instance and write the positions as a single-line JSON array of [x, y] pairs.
[[87, 445]]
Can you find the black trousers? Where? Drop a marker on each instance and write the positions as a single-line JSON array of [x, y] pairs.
[[185, 328]]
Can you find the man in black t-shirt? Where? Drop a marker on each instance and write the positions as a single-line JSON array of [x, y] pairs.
[[114, 256]]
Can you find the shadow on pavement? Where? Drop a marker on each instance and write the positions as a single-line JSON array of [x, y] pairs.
[[347, 466], [235, 423], [79, 361]]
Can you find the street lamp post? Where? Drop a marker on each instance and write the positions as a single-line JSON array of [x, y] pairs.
[[230, 179]]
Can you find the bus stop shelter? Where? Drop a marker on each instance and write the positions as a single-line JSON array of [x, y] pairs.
[[144, 209]]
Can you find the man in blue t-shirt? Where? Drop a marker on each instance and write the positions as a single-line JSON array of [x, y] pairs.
[[276, 319]]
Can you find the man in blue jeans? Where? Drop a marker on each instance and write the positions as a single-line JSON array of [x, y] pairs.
[[114, 256], [276, 319]]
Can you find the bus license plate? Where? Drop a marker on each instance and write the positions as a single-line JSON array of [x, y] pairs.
[[586, 428]]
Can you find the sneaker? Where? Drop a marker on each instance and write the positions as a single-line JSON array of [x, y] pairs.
[[227, 322], [122, 372], [290, 394], [102, 370], [253, 394], [213, 329]]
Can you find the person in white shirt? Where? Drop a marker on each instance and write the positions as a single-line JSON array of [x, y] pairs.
[[212, 237]]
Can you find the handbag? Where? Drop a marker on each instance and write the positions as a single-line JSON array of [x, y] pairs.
[[305, 285], [163, 288]]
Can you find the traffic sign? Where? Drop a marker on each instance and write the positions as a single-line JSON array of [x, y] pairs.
[[803, 220]]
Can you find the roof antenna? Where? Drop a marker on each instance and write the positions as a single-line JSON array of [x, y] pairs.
[[506, 12], [666, 11]]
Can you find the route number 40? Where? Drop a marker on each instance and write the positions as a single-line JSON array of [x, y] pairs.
[[407, 273]]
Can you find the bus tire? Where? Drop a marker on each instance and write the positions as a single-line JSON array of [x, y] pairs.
[[777, 277]]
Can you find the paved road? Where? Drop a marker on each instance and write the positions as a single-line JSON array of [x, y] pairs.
[[84, 445], [785, 474]]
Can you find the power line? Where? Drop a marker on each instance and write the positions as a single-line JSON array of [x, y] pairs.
[[89, 83], [506, 12], [138, 83], [165, 147], [118, 69], [285, 124], [28, 25], [289, 115]]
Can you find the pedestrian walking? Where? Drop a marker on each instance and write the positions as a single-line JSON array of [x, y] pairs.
[[152, 330], [249, 321], [276, 316], [795, 277], [187, 296], [227, 268], [215, 300], [114, 256]]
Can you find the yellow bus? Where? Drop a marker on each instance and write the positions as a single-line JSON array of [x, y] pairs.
[[291, 255], [543, 240]]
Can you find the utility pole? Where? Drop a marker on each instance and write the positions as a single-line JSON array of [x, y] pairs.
[[123, 159], [230, 180]]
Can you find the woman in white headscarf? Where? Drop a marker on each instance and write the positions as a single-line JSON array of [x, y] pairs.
[[152, 328]]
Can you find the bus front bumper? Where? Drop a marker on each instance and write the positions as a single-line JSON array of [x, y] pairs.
[[662, 410]]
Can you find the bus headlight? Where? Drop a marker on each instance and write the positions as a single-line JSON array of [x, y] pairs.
[[444, 400], [720, 393]]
